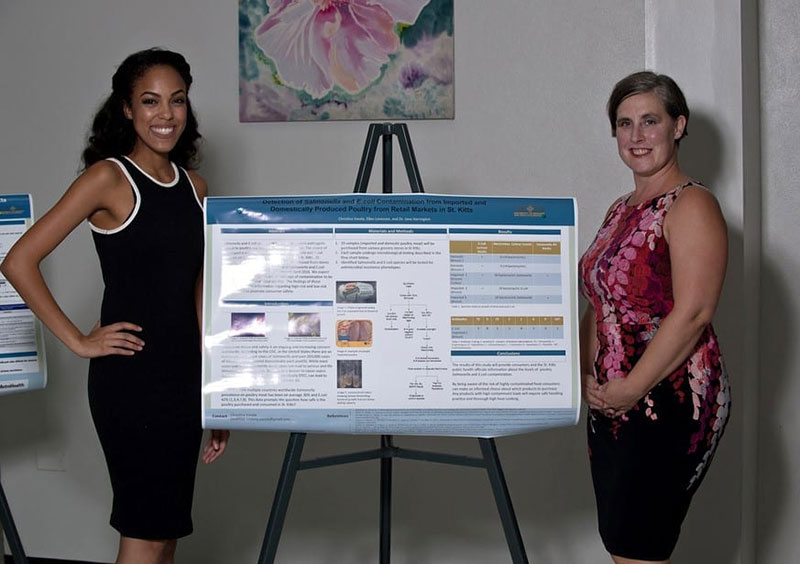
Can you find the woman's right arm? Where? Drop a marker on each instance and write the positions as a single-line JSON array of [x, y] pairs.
[[91, 192]]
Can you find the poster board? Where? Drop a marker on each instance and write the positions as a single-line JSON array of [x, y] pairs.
[[391, 314], [22, 359]]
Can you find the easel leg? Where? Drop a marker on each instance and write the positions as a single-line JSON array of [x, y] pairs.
[[386, 503], [291, 462], [385, 131], [503, 500], [410, 160], [10, 530], [387, 163], [367, 158]]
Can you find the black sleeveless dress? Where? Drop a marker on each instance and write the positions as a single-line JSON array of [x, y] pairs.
[[146, 407]]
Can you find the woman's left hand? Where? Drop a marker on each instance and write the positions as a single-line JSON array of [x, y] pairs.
[[617, 397], [216, 445]]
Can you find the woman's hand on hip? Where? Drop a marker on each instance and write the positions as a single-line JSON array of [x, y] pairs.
[[105, 340]]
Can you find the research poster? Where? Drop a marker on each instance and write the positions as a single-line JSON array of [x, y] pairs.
[[22, 359], [412, 314]]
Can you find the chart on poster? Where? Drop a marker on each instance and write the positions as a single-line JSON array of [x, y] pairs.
[[393, 314], [22, 360]]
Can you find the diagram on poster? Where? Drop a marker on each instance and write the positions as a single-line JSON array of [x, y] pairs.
[[22, 360], [390, 314]]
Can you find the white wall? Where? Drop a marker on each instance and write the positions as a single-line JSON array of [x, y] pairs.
[[779, 440], [532, 80]]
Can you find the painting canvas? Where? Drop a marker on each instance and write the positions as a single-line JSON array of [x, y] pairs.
[[345, 59]]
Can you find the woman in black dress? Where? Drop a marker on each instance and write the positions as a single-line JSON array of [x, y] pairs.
[[145, 212]]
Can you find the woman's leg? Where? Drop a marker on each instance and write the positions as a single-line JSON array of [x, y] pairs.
[[621, 560], [140, 551], [169, 551]]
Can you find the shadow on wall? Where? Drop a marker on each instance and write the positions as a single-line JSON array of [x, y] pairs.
[[778, 341], [20, 433], [25, 427], [712, 529], [702, 149], [36, 437]]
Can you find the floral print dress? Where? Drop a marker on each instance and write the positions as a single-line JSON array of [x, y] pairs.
[[647, 464]]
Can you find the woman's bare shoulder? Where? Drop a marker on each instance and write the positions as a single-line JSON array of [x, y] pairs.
[[102, 176], [696, 198], [696, 210], [199, 184]]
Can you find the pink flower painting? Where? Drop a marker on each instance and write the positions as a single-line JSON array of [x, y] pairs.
[[345, 59]]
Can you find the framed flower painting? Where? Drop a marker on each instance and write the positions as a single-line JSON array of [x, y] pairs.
[[345, 59]]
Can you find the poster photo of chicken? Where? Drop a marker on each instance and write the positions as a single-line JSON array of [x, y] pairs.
[[354, 333]]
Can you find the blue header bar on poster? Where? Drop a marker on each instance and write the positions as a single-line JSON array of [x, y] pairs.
[[15, 206], [391, 208]]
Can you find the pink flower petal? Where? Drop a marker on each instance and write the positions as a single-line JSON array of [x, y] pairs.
[[361, 45], [276, 5], [402, 10], [291, 37]]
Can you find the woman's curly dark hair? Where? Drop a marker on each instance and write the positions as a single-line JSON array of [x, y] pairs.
[[112, 134]]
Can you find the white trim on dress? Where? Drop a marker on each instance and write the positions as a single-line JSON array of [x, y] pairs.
[[164, 184], [194, 190], [137, 204]]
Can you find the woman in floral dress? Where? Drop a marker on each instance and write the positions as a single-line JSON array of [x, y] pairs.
[[653, 376]]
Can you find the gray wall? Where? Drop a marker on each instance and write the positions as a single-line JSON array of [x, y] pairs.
[[532, 78], [779, 422]]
